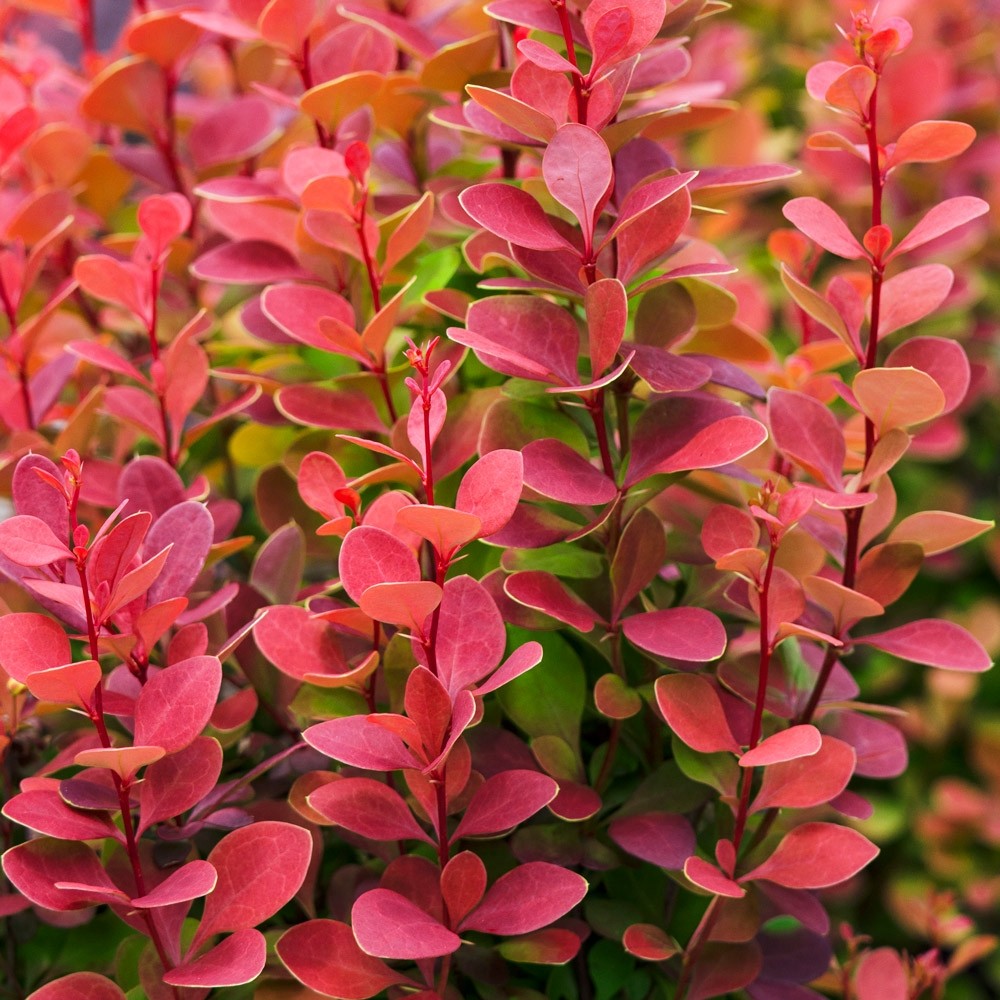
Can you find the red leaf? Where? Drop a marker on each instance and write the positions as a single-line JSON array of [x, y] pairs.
[[162, 218], [357, 741], [933, 642], [238, 959], [72, 684], [546, 593], [320, 476], [35, 867], [808, 434], [881, 975], [648, 942], [44, 811], [470, 637], [504, 801], [814, 856], [944, 360], [260, 867], [176, 703], [367, 807], [930, 142], [176, 783], [706, 876], [317, 406], [555, 470], [512, 214], [721, 969], [577, 170], [692, 709], [299, 310], [191, 881], [651, 233], [823, 226], [664, 839], [324, 956], [389, 925], [728, 529], [941, 219], [30, 642], [298, 643], [692, 634], [370, 555], [491, 489], [463, 882], [525, 899], [788, 744], [912, 295], [807, 781], [29, 541], [79, 986]]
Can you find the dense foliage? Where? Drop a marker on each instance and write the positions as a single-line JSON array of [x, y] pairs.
[[461, 542]]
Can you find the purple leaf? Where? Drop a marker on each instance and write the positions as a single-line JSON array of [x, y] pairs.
[[33, 495], [189, 528], [663, 839], [248, 262]]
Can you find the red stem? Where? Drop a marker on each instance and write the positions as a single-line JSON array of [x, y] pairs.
[[22, 371], [578, 88]]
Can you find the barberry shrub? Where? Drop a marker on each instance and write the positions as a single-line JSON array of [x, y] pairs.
[[431, 571]]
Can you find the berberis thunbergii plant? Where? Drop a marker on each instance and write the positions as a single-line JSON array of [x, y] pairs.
[[431, 571]]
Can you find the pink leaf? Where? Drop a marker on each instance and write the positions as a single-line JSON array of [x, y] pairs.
[[232, 131], [663, 839], [445, 528], [299, 309], [162, 218], [367, 807], [706, 876], [693, 710], [807, 781], [35, 495], [692, 634], [912, 295], [298, 643], [248, 262], [189, 529], [35, 867], [470, 636], [79, 986], [808, 433], [944, 360], [933, 642], [512, 214], [317, 406], [260, 867], [547, 593], [323, 955], [520, 661], [555, 470], [370, 555], [31, 642], [389, 925], [728, 529], [504, 801], [525, 899], [176, 703], [173, 785], [29, 541], [44, 811], [814, 856], [357, 741], [646, 21], [320, 476], [941, 219], [491, 489], [577, 170], [823, 226], [406, 605], [191, 881], [788, 744], [238, 959], [881, 975]]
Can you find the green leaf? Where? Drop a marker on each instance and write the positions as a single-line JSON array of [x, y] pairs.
[[719, 770], [610, 966], [313, 702], [561, 559], [434, 270]]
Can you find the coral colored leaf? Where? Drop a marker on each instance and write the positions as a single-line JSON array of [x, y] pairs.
[[911, 295], [389, 925], [44, 811], [298, 643], [238, 959], [706, 876], [881, 975], [682, 633], [300, 309], [407, 605], [367, 807], [693, 710], [930, 142], [320, 477], [897, 397], [79, 986], [31, 642], [650, 943], [576, 167], [323, 955], [935, 531], [35, 867], [176, 703], [357, 741], [521, 117], [504, 801], [728, 529], [513, 215], [607, 315], [808, 433], [823, 226], [491, 489], [851, 90], [643, 25], [807, 781], [788, 744], [525, 899], [933, 642], [173, 785], [445, 528], [558, 472], [260, 867], [29, 541], [663, 839], [371, 555], [941, 219], [463, 882], [819, 309], [886, 571], [944, 360], [124, 761], [191, 881], [162, 218], [814, 856], [72, 684]]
